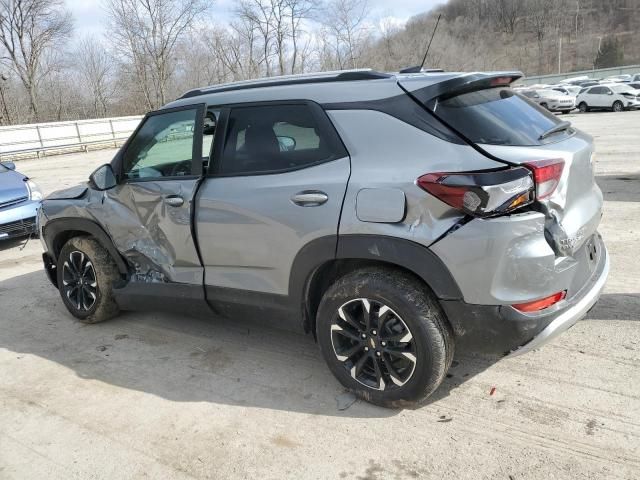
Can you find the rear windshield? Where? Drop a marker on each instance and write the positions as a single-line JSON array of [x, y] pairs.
[[497, 116]]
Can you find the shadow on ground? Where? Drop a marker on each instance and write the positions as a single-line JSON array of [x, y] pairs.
[[620, 187], [236, 362], [616, 306]]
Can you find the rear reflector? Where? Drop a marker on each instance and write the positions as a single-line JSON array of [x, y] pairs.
[[547, 174], [541, 304], [484, 193]]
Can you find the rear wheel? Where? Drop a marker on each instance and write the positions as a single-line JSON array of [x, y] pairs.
[[618, 106], [384, 337], [583, 107], [86, 273]]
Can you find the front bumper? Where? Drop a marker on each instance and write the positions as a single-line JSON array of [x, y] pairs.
[[502, 330], [19, 220]]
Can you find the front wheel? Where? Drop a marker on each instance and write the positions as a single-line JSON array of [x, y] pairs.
[[86, 273], [384, 337], [583, 107], [618, 106]]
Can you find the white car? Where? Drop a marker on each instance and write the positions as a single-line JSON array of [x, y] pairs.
[[614, 96], [551, 100]]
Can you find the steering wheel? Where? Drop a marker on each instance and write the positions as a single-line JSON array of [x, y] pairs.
[[181, 169]]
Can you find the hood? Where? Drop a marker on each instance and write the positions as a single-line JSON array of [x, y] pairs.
[[70, 193], [12, 187]]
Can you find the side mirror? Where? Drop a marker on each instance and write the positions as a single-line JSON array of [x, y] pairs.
[[610, 93], [9, 165], [103, 178], [287, 144]]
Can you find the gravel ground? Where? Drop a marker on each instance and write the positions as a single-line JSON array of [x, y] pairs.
[[165, 396]]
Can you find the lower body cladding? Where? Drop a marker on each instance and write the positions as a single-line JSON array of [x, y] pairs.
[[503, 330]]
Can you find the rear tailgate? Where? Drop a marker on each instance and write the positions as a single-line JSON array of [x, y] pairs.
[[493, 118]]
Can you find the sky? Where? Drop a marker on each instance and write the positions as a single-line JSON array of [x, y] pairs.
[[89, 17]]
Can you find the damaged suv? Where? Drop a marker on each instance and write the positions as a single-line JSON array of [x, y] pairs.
[[397, 217]]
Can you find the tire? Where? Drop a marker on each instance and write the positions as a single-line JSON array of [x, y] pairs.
[[583, 107], [617, 106], [93, 302], [413, 324]]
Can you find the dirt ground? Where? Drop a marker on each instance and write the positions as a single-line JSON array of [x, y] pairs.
[[165, 396]]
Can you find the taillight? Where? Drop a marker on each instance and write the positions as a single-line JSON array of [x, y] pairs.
[[541, 304], [482, 194], [546, 174]]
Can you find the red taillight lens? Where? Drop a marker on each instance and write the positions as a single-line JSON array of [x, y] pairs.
[[484, 193], [541, 304], [547, 174]]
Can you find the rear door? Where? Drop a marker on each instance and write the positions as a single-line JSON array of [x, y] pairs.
[[277, 184], [150, 209]]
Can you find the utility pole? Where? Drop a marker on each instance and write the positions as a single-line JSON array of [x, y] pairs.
[[560, 54]]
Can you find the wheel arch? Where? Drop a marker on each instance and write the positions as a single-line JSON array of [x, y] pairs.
[[59, 231], [324, 260]]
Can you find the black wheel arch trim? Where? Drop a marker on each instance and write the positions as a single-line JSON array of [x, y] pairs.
[[407, 254], [55, 227]]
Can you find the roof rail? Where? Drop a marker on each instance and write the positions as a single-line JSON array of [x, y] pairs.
[[322, 77]]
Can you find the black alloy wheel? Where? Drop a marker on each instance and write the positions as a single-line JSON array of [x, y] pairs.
[[79, 281], [374, 344]]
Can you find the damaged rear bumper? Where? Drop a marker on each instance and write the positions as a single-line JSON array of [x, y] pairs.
[[503, 330]]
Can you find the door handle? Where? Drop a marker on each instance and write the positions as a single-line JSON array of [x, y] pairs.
[[174, 201], [310, 198]]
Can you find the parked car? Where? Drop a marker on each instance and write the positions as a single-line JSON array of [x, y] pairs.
[[551, 100], [19, 202], [397, 217], [635, 85], [636, 78], [570, 90], [588, 83], [615, 97], [617, 79]]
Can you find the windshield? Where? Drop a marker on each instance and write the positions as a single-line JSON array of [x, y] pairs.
[[496, 116]]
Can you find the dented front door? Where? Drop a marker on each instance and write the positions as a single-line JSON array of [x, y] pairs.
[[150, 209]]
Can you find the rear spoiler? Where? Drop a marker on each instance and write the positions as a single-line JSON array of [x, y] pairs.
[[465, 83]]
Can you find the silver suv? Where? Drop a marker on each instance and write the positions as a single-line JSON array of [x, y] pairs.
[[396, 217]]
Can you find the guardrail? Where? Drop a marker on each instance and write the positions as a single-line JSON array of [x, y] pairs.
[[19, 141], [598, 73]]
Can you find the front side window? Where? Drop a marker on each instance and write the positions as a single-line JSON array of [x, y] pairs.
[[163, 147], [272, 139]]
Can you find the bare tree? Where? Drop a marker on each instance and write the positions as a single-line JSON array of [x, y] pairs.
[[299, 11], [95, 67], [540, 17], [506, 14], [258, 15], [28, 29], [345, 20], [146, 33]]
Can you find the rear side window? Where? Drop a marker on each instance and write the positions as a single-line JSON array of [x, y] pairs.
[[277, 138], [496, 116]]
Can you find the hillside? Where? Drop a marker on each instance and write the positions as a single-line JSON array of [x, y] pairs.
[[525, 34]]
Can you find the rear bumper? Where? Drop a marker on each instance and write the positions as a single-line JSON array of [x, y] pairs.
[[502, 330], [577, 308]]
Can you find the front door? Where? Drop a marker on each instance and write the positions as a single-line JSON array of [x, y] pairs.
[[159, 169]]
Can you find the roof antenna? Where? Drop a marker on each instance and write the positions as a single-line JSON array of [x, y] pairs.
[[418, 69]]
